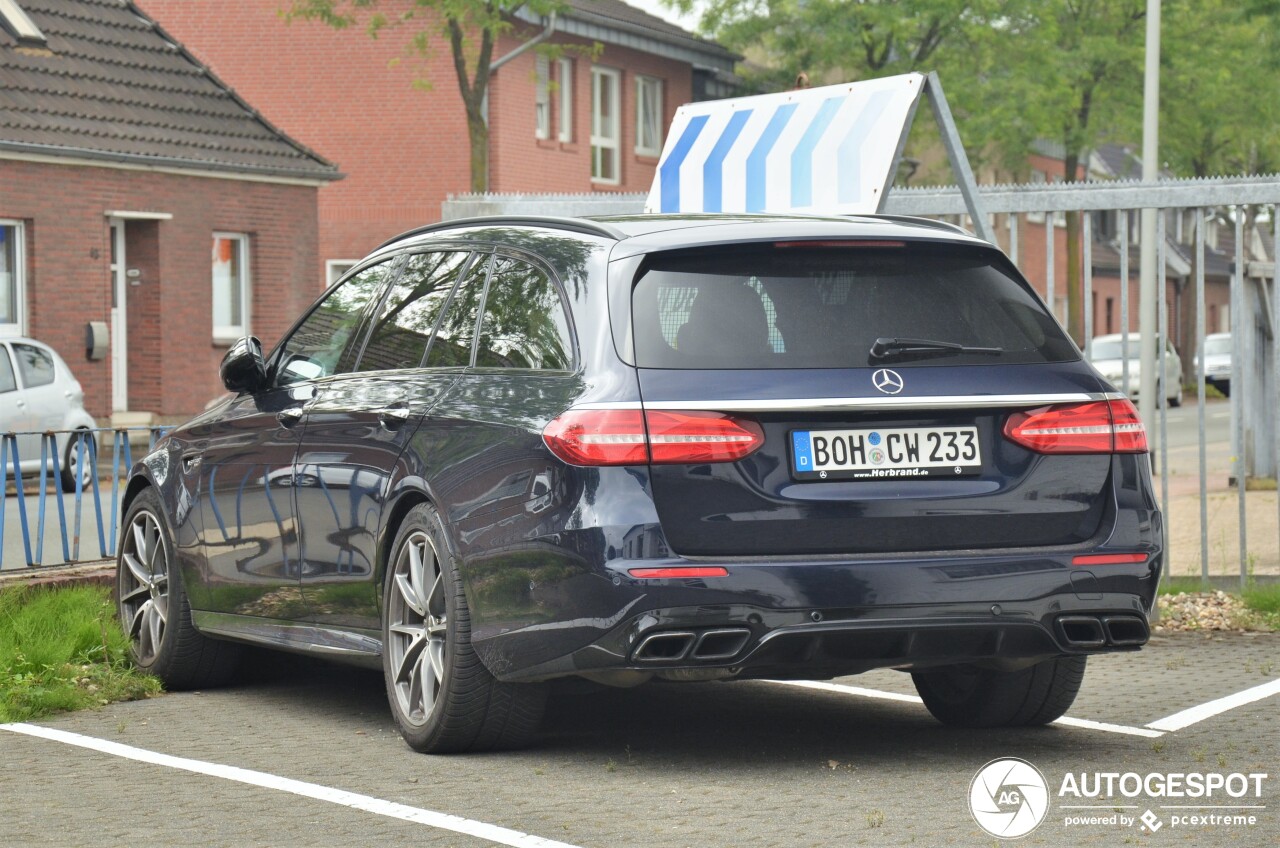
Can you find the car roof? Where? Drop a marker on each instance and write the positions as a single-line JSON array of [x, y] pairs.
[[644, 233]]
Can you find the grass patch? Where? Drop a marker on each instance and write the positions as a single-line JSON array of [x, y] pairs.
[[62, 649], [1264, 603]]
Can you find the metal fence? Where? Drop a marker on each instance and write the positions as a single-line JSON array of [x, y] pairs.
[[18, 487]]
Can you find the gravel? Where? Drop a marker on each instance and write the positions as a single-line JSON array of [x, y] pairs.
[[1203, 611]]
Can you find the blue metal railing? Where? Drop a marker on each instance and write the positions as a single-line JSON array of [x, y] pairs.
[[85, 449]]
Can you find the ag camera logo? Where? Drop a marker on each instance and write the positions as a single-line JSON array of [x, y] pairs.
[[1009, 798]]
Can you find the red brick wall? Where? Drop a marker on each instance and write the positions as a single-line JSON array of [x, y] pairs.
[[403, 150], [350, 98], [68, 270], [523, 163]]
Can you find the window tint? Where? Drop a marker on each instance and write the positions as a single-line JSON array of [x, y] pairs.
[[451, 345], [325, 342], [7, 381], [524, 321], [35, 364], [823, 307], [408, 315]]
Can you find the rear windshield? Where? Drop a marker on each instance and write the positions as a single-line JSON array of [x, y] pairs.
[[824, 307]]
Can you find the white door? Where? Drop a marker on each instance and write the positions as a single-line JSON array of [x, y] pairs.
[[119, 321]]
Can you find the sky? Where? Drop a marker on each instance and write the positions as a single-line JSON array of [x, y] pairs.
[[655, 7]]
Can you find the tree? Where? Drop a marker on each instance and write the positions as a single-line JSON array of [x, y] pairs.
[[471, 28]]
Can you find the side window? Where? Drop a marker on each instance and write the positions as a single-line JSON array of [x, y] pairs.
[[325, 342], [451, 345], [524, 320], [35, 364], [8, 382], [406, 318]]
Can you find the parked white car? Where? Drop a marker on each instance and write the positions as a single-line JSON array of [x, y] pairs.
[[38, 393], [1107, 356], [1217, 361]]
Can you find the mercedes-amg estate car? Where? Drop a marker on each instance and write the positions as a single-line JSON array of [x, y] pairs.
[[691, 448]]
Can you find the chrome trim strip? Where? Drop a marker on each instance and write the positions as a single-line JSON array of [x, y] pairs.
[[275, 633], [863, 403]]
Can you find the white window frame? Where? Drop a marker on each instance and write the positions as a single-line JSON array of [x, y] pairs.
[[19, 280], [599, 141], [227, 333], [565, 96], [542, 97], [335, 268], [654, 84]]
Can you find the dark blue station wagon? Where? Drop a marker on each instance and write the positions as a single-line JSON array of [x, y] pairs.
[[504, 451]]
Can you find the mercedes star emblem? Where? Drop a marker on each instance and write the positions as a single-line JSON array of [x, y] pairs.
[[887, 381]]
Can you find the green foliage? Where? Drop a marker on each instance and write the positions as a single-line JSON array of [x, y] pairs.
[[1265, 599], [62, 649]]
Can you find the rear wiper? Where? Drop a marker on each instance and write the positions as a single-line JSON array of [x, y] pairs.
[[884, 348]]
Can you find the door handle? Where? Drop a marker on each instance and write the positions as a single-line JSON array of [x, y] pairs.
[[393, 417], [289, 417]]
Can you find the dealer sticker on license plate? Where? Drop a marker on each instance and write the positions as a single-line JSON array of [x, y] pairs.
[[885, 453]]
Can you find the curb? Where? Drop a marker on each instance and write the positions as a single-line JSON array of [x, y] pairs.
[[98, 573]]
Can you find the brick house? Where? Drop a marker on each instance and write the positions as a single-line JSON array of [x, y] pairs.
[[576, 122], [137, 191]]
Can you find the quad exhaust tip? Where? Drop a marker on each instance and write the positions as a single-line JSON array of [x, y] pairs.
[[1087, 632], [705, 645]]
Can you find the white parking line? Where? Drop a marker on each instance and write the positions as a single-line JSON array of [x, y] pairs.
[[1191, 716], [1066, 721], [366, 803]]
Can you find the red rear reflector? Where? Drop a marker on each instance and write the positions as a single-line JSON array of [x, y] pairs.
[[841, 243], [1108, 559], [593, 437], [683, 571], [1104, 426]]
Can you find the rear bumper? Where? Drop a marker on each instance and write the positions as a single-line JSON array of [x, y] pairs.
[[821, 619]]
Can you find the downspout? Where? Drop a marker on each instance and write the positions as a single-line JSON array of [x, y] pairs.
[[502, 60]]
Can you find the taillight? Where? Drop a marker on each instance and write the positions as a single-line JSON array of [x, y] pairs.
[[1108, 559], [1105, 426], [679, 572], [632, 437]]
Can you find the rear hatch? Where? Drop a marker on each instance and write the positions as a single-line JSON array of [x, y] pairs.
[[853, 450]]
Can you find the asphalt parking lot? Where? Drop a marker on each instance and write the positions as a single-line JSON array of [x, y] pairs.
[[304, 753]]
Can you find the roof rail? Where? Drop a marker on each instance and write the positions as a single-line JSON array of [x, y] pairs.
[[923, 222], [573, 225]]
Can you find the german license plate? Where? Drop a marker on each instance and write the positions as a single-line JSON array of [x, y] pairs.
[[885, 453]]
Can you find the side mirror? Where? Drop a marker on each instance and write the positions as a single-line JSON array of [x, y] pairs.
[[243, 368]]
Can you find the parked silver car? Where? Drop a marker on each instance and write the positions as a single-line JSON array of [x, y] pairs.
[[38, 393], [1217, 361], [1107, 356]]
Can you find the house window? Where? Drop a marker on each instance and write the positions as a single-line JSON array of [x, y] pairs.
[[648, 116], [566, 99], [605, 125], [230, 286], [542, 98], [335, 268], [12, 284]]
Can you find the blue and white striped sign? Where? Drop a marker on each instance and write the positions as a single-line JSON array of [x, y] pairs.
[[823, 150]]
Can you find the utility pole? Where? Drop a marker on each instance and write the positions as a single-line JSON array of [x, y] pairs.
[[1152, 349]]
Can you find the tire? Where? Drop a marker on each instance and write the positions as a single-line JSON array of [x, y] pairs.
[[442, 697], [1176, 400], [153, 608], [69, 456], [967, 696]]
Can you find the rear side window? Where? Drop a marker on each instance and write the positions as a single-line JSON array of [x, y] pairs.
[[406, 318], [7, 381], [35, 364], [824, 307], [524, 320]]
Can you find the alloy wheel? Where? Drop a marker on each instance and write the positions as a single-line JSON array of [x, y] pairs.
[[417, 628], [144, 585]]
